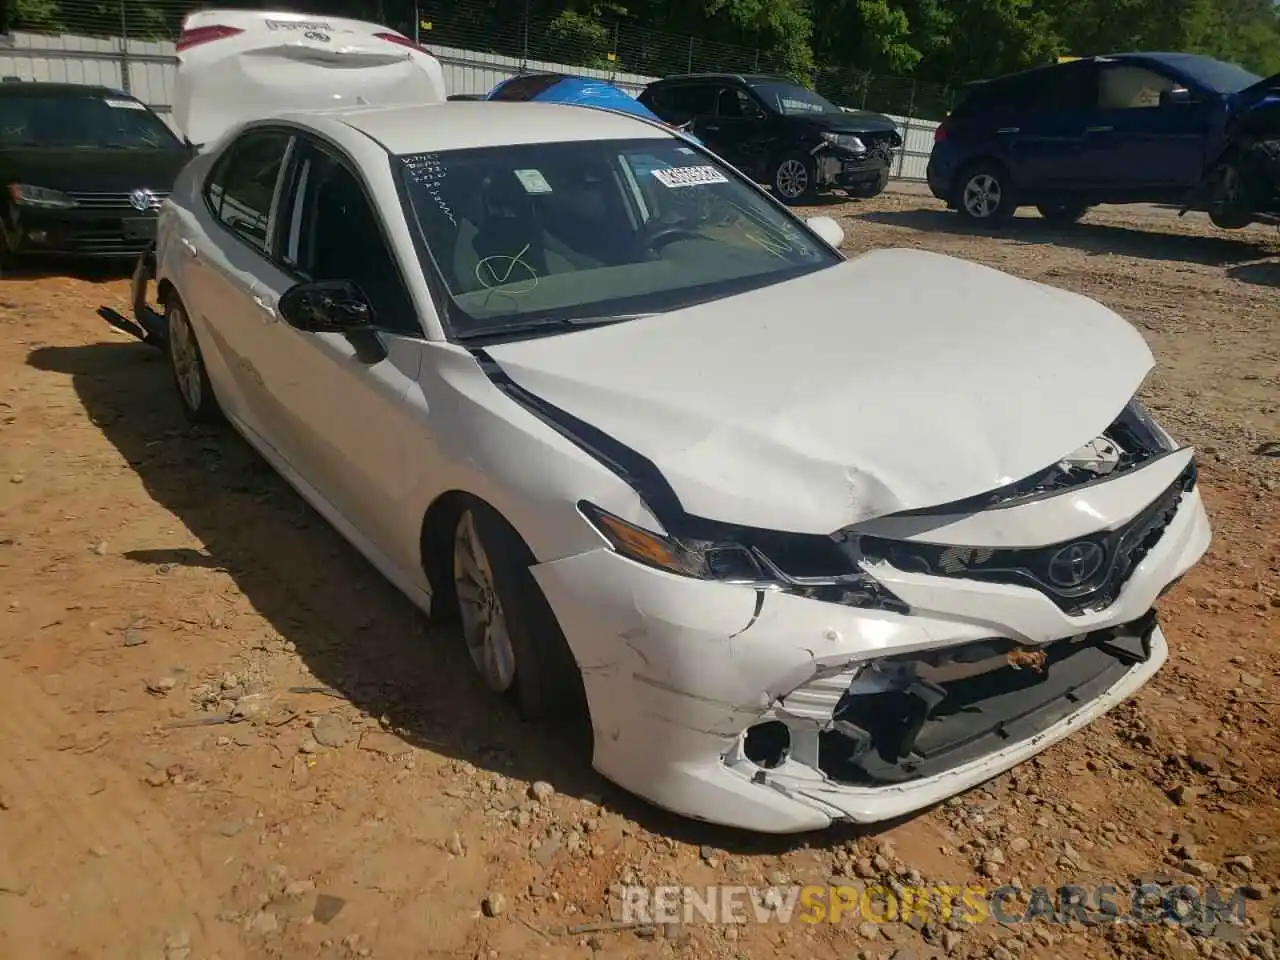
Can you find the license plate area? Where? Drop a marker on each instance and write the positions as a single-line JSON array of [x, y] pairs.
[[140, 228]]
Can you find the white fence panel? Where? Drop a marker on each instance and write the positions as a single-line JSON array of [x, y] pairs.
[[146, 70]]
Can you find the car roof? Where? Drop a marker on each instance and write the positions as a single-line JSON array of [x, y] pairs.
[[42, 88], [463, 125]]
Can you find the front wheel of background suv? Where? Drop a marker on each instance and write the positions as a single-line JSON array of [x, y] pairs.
[[871, 188], [794, 179], [985, 194]]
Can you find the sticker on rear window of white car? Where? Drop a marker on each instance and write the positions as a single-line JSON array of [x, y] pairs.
[[689, 176], [124, 104], [533, 181]]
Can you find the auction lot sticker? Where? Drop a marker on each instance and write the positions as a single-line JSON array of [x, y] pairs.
[[689, 176]]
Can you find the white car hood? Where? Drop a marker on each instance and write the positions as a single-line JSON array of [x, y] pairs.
[[896, 381]]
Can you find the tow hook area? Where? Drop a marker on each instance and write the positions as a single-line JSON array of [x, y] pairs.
[[148, 325], [909, 717]]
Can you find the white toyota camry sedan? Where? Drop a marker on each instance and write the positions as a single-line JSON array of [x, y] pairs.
[[812, 539]]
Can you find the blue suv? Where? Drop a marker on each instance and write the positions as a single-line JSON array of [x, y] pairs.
[[1128, 128]]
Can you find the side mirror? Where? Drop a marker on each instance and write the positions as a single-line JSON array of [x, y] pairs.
[[828, 229], [334, 306], [1176, 96]]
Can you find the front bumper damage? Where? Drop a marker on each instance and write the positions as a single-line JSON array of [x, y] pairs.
[[779, 713]]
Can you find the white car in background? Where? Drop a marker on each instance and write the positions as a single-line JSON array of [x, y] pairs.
[[236, 65], [815, 539]]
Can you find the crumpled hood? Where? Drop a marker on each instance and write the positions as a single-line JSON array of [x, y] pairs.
[[898, 380]]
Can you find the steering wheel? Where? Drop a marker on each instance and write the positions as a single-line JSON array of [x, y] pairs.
[[658, 238]]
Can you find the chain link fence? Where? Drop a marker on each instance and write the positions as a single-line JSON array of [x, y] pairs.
[[500, 28]]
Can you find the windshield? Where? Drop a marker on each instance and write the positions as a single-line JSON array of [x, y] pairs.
[[1215, 75], [81, 121], [594, 230], [792, 99]]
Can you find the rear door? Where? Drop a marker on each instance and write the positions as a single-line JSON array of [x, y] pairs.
[[1143, 136], [1047, 127], [222, 244]]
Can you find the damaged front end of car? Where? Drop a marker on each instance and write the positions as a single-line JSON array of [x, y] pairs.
[[906, 658]]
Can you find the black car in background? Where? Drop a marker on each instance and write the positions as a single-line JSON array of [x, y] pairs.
[[83, 170], [780, 133]]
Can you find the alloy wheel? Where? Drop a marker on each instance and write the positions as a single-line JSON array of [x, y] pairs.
[[792, 179], [484, 623], [185, 356], [982, 196]]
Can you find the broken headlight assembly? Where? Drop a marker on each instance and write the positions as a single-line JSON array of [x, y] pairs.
[[845, 141], [817, 567]]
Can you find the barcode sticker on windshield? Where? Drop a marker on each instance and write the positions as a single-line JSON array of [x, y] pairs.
[[533, 181], [689, 176], [124, 104]]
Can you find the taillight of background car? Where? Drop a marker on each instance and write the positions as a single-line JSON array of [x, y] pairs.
[[942, 131], [198, 35], [401, 40]]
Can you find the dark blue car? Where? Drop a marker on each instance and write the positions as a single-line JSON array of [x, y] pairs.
[[1128, 128]]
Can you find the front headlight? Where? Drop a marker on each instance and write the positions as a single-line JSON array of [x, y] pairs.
[[26, 195], [846, 141], [811, 566]]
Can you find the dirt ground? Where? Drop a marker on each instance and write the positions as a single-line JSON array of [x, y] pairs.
[[370, 800]]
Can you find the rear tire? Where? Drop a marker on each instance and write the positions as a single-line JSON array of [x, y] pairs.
[[511, 633], [985, 194], [1062, 212], [794, 179], [187, 362]]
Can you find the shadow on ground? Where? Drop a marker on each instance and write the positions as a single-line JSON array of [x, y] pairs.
[[1092, 238], [353, 630], [1265, 273]]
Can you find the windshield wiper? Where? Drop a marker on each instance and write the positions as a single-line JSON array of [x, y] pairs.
[[540, 325]]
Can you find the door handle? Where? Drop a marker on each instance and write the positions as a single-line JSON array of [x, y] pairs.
[[189, 246], [264, 306], [1098, 129], [711, 129], [1009, 130]]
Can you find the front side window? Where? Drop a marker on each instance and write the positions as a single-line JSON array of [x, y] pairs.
[[791, 99], [334, 233], [595, 230], [243, 184], [119, 123]]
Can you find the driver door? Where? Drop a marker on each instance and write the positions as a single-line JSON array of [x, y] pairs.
[[349, 420]]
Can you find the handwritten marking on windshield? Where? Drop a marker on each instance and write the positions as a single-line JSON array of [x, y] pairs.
[[491, 273]]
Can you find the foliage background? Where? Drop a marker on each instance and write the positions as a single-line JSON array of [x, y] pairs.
[[904, 56]]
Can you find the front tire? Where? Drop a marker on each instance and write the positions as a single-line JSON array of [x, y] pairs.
[[511, 633], [872, 188], [794, 179], [985, 194], [1229, 206], [189, 374]]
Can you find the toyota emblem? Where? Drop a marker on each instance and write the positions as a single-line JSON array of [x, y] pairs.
[[141, 199], [1076, 563]]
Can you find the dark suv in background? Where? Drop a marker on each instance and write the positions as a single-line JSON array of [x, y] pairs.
[[780, 133], [83, 169], [1128, 128]]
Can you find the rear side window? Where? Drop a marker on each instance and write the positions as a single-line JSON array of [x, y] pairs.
[[1127, 87], [243, 183], [528, 87], [1068, 89]]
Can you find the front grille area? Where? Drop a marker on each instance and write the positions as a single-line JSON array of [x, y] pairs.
[[1078, 575], [120, 200]]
